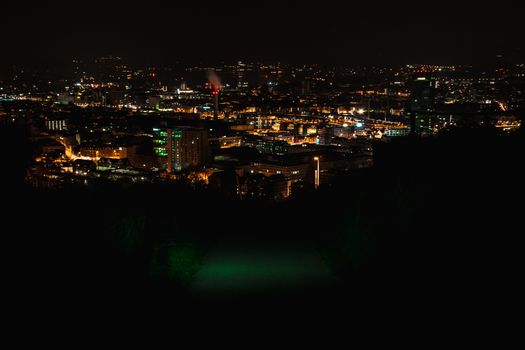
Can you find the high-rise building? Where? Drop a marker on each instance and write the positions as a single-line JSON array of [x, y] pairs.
[[181, 147], [422, 104], [242, 83]]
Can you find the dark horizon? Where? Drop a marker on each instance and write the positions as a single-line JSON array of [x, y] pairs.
[[327, 33]]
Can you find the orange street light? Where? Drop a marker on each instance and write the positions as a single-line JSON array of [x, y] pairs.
[[317, 173]]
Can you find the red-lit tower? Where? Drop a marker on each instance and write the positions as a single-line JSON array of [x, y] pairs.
[[215, 94]]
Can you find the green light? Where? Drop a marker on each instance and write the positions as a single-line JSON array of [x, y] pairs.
[[259, 265], [161, 152], [177, 261]]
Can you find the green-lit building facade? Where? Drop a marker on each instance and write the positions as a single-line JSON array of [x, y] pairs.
[[422, 104], [181, 148]]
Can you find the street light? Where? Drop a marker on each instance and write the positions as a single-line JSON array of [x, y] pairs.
[[317, 173]]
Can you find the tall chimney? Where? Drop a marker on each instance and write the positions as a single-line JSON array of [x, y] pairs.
[[215, 94]]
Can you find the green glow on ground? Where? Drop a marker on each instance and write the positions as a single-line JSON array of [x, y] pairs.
[[177, 262], [255, 266]]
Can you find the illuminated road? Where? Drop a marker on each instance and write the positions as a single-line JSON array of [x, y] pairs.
[[259, 266]]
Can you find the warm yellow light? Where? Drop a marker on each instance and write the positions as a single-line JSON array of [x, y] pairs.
[[316, 158]]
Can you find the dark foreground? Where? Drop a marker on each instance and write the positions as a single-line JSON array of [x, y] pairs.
[[430, 230]]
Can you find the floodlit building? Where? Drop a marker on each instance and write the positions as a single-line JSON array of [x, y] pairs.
[[181, 147]]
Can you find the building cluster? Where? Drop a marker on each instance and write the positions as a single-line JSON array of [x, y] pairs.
[[247, 130]]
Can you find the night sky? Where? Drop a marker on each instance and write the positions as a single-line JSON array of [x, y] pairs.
[[349, 32]]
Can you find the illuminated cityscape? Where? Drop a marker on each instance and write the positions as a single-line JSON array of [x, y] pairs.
[[161, 126], [315, 156]]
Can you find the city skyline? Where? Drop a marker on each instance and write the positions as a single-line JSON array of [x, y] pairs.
[[265, 125]]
